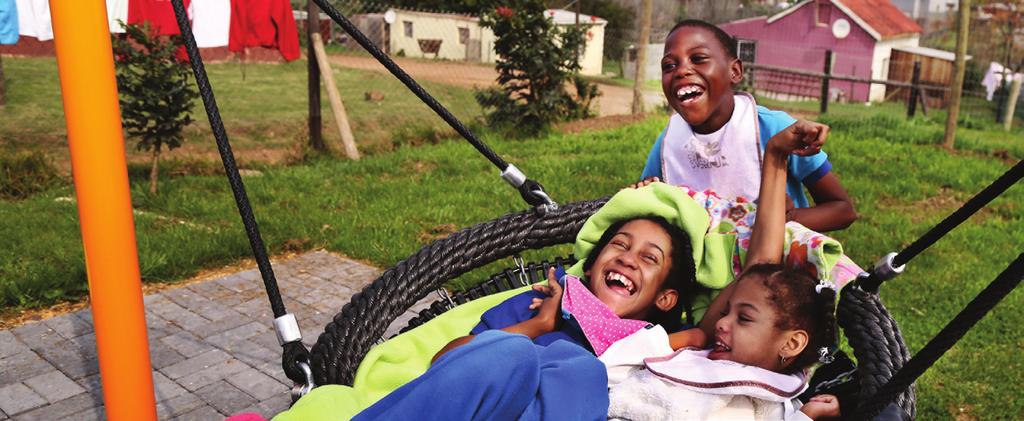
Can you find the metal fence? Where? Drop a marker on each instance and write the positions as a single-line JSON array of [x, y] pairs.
[[919, 96]]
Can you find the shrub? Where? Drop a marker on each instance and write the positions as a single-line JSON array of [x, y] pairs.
[[538, 61], [25, 173], [155, 94]]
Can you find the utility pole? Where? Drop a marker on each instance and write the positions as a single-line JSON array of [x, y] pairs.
[[316, 140], [641, 58], [958, 76]]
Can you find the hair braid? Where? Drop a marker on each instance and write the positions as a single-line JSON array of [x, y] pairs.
[[800, 306]]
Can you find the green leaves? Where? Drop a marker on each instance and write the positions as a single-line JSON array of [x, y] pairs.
[[537, 70], [155, 94]]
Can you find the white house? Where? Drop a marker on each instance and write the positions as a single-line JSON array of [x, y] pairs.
[[453, 36], [438, 35], [593, 54]]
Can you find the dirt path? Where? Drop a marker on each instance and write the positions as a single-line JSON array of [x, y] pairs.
[[614, 100]]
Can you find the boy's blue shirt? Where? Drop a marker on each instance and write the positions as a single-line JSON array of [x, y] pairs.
[[802, 169]]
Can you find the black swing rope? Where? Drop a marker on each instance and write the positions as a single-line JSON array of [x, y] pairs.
[[531, 191], [944, 340], [294, 352], [969, 208]]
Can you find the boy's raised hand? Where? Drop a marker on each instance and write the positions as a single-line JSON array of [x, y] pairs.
[[802, 138]]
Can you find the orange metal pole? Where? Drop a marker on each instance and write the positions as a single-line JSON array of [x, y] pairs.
[[86, 66]]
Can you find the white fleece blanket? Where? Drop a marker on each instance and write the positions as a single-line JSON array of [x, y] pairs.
[[686, 385]]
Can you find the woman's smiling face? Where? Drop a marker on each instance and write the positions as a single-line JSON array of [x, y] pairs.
[[697, 76], [628, 274]]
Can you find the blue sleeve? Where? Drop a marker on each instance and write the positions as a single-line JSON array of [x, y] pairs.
[[508, 313], [653, 166], [802, 169], [813, 177], [8, 22]]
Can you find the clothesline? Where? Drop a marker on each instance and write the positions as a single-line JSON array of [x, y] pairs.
[[236, 24]]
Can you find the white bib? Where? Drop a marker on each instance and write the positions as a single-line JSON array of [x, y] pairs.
[[728, 160]]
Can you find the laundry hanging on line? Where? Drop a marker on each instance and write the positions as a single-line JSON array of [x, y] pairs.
[[996, 76], [264, 23], [8, 22], [237, 24]]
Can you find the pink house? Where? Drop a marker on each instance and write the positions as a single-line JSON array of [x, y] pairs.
[[860, 33]]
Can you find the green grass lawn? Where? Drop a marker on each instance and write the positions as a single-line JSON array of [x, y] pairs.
[[264, 107], [383, 208]]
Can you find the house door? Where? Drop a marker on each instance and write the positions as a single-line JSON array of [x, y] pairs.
[[474, 50]]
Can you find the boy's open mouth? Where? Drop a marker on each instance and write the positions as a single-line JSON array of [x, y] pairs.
[[721, 347], [619, 283], [689, 93]]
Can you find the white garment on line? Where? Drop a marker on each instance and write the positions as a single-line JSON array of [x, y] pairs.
[[117, 10], [34, 19], [211, 22], [996, 76]]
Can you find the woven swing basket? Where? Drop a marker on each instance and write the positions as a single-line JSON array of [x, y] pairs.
[[872, 333]]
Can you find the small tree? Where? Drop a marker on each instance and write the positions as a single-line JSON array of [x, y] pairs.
[[537, 60], [155, 94]]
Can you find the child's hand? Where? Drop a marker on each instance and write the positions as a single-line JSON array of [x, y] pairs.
[[548, 308], [643, 182], [802, 138], [689, 338], [821, 407]]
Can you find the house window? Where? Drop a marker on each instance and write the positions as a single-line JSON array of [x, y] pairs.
[[746, 50], [463, 35], [824, 13], [408, 28]]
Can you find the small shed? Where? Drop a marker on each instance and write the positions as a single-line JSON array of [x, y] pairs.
[[936, 69], [592, 60], [860, 33]]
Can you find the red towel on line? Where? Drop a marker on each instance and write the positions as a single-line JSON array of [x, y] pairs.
[[264, 23], [159, 14]]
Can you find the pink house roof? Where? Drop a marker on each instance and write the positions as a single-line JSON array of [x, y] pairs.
[[880, 18]]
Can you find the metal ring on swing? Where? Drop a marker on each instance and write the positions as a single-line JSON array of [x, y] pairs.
[[300, 390]]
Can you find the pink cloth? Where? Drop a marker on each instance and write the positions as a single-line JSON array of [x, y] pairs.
[[246, 416], [600, 324]]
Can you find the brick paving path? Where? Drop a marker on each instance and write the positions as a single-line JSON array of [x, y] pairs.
[[212, 346]]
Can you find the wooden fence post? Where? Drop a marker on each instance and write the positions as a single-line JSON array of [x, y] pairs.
[[915, 79], [338, 107], [316, 140], [824, 81], [1011, 106]]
